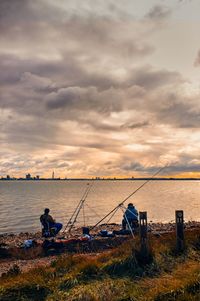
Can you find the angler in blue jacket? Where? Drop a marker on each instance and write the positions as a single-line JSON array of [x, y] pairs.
[[130, 216]]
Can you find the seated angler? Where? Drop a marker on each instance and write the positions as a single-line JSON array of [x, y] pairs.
[[130, 217], [50, 227]]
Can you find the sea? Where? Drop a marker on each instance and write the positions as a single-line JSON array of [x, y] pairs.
[[22, 202]]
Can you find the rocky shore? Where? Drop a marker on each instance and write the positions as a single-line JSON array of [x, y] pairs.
[[16, 241]]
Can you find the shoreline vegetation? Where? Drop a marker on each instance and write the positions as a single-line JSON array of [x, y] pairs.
[[114, 273]]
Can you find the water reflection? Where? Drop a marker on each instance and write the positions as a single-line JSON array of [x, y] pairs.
[[22, 202]]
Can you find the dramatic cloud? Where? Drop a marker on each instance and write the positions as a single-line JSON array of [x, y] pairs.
[[158, 12], [86, 88]]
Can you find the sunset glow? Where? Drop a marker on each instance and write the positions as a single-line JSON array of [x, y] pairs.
[[99, 88]]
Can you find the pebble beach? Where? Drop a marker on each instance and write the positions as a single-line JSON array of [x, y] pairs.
[[10, 240]]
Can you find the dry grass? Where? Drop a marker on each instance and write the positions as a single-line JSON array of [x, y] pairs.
[[117, 275], [184, 276]]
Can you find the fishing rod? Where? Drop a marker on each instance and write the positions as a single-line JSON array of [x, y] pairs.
[[130, 195], [70, 220], [77, 209], [80, 207]]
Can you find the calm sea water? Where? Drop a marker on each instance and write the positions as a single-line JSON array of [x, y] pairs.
[[22, 202]]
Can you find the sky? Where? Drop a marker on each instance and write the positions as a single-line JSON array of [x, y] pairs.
[[99, 87]]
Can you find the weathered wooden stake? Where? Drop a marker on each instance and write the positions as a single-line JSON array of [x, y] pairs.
[[143, 234], [180, 242]]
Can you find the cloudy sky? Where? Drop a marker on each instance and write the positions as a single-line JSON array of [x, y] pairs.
[[99, 87]]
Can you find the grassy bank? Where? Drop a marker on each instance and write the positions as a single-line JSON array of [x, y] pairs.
[[118, 275]]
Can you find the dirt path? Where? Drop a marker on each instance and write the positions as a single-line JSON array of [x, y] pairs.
[[25, 265]]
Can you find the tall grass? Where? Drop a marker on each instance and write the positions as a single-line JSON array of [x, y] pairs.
[[117, 275]]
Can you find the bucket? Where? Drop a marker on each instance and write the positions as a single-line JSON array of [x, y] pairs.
[[86, 231]]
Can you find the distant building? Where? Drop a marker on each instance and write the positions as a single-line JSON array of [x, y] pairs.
[[28, 176], [8, 177], [53, 175]]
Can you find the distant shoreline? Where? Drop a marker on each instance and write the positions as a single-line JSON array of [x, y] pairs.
[[101, 179]]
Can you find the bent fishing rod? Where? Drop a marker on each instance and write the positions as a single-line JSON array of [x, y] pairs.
[[130, 195]]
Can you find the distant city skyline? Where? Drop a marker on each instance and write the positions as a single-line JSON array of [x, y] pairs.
[[99, 88], [29, 177]]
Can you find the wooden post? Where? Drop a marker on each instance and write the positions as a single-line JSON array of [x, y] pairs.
[[180, 243], [143, 234]]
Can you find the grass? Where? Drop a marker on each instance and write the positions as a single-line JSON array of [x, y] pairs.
[[117, 275]]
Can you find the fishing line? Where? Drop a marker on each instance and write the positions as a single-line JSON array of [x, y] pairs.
[[91, 209], [79, 209], [75, 214], [127, 221], [113, 215], [130, 195], [83, 215]]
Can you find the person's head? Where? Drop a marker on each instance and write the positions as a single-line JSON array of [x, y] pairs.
[[130, 205], [46, 211]]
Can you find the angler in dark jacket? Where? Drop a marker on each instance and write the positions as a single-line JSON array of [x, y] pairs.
[[130, 217], [49, 223]]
